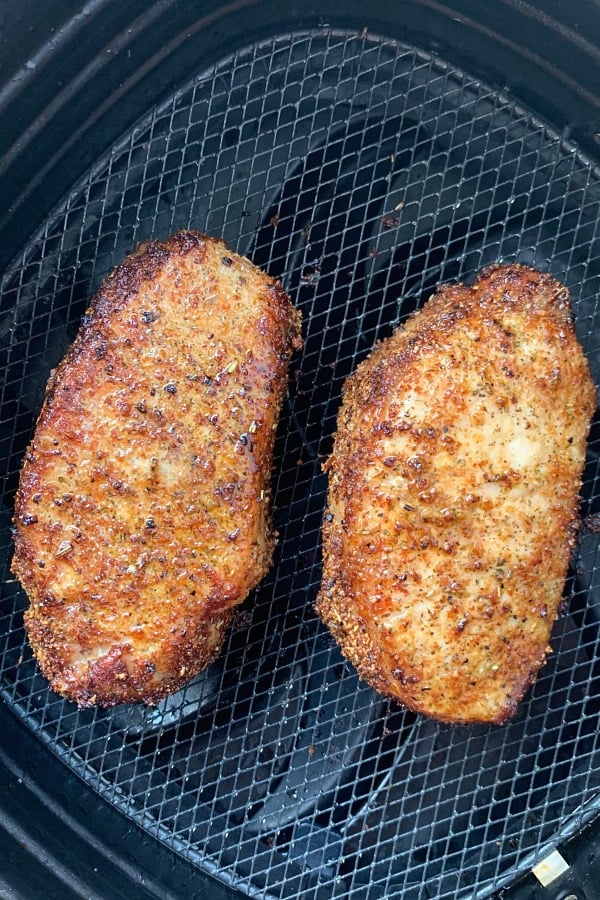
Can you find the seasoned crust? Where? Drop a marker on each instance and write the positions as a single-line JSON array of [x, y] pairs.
[[453, 496], [142, 514]]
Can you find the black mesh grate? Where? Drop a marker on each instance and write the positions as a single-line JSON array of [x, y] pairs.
[[363, 172]]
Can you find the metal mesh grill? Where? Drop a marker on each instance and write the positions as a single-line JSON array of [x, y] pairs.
[[362, 172]]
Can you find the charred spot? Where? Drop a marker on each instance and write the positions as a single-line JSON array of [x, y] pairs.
[[184, 241], [227, 261], [403, 678], [311, 272], [148, 316], [390, 221], [50, 600], [28, 519], [170, 388], [226, 490], [592, 524]]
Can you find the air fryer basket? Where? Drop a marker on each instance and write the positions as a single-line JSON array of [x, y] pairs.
[[363, 171]]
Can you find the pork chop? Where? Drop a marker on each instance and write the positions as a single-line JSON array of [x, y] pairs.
[[143, 512], [453, 496]]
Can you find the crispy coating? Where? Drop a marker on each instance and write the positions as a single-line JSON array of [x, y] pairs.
[[143, 512], [453, 496]]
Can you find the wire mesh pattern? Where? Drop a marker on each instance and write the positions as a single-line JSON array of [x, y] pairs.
[[363, 172]]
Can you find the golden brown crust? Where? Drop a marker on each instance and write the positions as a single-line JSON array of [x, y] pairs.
[[142, 515], [453, 497]]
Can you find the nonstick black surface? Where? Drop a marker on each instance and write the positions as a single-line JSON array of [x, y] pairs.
[[362, 172]]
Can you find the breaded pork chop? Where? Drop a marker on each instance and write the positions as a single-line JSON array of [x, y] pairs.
[[453, 496], [142, 515]]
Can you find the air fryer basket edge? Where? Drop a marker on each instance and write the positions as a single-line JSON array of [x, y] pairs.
[[22, 212]]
